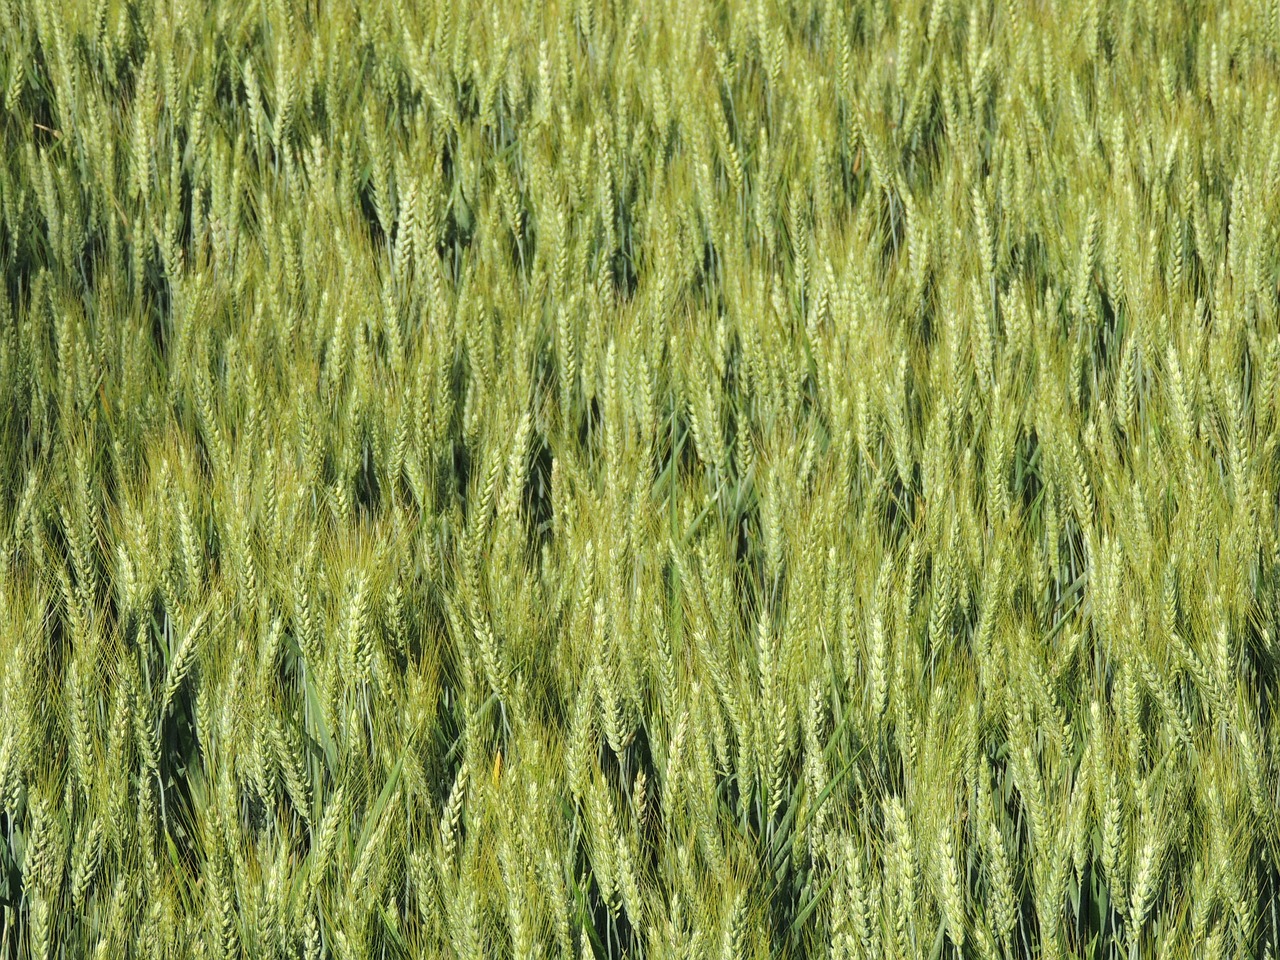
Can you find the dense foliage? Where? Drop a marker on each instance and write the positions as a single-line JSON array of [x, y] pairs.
[[677, 478]]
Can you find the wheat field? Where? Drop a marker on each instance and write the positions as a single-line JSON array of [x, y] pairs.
[[639, 478]]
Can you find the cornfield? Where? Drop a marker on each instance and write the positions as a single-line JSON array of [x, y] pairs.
[[639, 478]]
